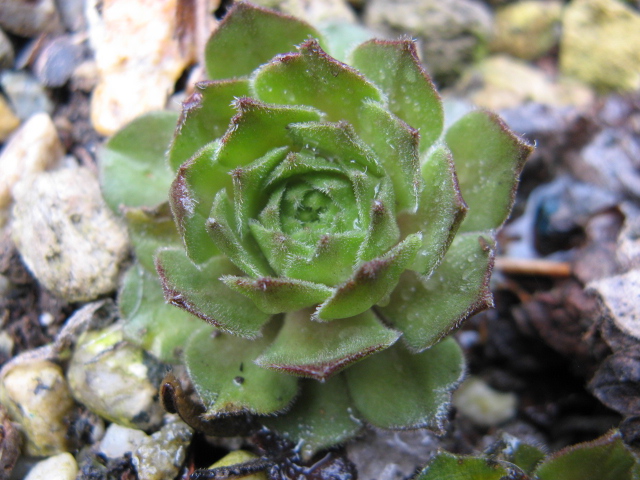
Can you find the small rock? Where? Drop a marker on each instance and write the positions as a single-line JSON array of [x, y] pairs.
[[116, 380], [313, 11], [29, 18], [501, 82], [58, 467], [139, 57], [6, 51], [527, 29], [36, 395], [620, 299], [67, 236], [8, 121], [600, 44], [389, 455], [26, 95], [453, 32], [482, 404], [32, 149], [119, 440], [85, 77], [619, 173], [72, 14], [161, 455], [57, 60]]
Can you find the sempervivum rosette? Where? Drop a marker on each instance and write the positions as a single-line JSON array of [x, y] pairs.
[[321, 215]]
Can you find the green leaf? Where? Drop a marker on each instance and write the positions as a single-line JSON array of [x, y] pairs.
[[198, 290], [320, 418], [606, 458], [259, 128], [396, 145], [370, 283], [440, 211], [337, 142], [150, 229], [205, 117], [191, 195], [426, 311], [223, 373], [383, 231], [313, 78], [320, 350], [399, 389], [489, 159], [276, 295], [133, 164], [152, 324], [445, 466], [394, 66], [223, 230], [249, 36], [331, 262]]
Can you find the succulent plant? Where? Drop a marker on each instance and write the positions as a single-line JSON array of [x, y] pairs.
[[605, 458], [328, 228]]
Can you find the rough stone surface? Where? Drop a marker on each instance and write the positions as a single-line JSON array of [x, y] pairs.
[[119, 440], [527, 29], [116, 380], [453, 32], [161, 455], [58, 467], [29, 18], [36, 395], [501, 82], [32, 149], [601, 44], [8, 121], [139, 57], [66, 234]]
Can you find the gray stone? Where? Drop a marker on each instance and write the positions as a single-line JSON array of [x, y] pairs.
[[601, 44], [58, 467], [36, 395], [72, 14], [161, 455], [57, 60], [29, 18], [619, 297], [452, 32], [26, 95], [115, 379], [67, 236], [389, 455], [6, 51], [33, 148]]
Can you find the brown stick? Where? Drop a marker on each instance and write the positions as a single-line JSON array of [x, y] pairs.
[[533, 266]]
